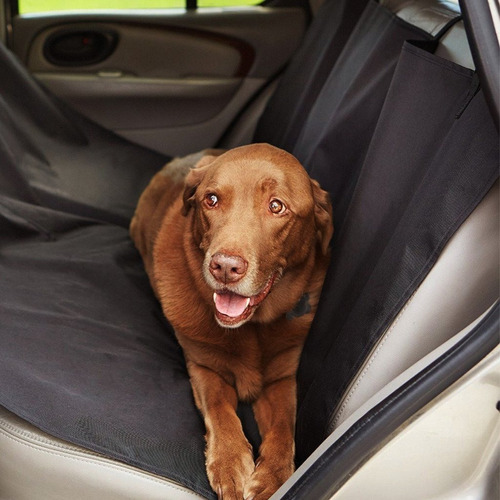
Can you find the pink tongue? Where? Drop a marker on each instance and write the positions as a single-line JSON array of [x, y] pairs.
[[230, 304]]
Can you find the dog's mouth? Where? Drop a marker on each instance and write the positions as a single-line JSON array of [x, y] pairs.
[[232, 310]]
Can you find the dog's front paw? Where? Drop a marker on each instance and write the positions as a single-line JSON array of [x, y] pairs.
[[229, 470], [268, 476]]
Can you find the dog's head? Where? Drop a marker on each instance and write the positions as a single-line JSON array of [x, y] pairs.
[[257, 218]]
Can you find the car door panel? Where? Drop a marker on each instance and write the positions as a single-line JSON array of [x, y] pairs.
[[172, 80], [142, 103]]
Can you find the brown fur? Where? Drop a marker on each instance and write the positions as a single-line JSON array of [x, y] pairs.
[[179, 236]]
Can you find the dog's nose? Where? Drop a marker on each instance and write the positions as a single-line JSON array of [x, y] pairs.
[[228, 268]]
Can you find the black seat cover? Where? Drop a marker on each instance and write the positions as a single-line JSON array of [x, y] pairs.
[[304, 77], [86, 354], [428, 165]]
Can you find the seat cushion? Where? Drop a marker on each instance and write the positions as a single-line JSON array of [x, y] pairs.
[[88, 356], [28, 454]]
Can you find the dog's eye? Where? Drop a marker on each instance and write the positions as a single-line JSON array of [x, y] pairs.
[[277, 206], [211, 200]]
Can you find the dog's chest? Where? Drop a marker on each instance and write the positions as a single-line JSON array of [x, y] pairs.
[[244, 367], [263, 361]]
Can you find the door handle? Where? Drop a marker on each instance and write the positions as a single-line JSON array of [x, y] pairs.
[[79, 47]]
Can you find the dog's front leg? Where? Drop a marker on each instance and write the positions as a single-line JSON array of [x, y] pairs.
[[229, 457], [275, 414]]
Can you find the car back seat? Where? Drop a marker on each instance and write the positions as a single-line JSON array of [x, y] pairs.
[[393, 294]]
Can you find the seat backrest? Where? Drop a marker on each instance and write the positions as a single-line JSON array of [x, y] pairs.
[[459, 288], [55, 157], [285, 114]]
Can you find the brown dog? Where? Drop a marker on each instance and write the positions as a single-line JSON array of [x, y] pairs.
[[236, 250]]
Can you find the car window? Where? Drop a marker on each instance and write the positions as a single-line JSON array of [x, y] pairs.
[[33, 6]]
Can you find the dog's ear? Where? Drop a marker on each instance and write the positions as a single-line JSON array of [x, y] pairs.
[[322, 215], [193, 180]]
